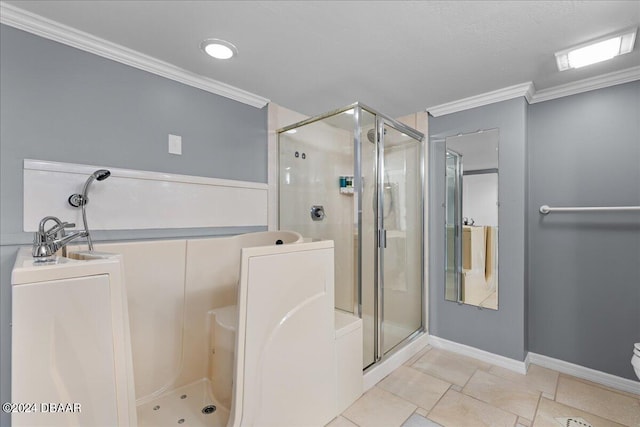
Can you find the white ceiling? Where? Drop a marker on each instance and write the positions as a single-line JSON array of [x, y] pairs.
[[479, 149], [395, 56]]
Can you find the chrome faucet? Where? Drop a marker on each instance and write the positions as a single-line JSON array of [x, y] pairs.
[[47, 243]]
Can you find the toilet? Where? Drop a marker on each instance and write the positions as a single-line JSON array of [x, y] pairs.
[[635, 360]]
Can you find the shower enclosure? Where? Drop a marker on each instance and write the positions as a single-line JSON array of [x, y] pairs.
[[355, 176]]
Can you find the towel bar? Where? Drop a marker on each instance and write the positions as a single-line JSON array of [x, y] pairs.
[[545, 209]]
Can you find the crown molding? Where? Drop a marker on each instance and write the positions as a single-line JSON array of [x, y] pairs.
[[586, 85], [52, 30], [516, 91], [529, 92]]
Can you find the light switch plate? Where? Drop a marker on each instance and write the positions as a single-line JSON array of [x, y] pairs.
[[175, 144]]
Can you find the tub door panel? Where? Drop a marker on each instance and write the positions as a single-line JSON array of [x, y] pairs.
[[289, 347]]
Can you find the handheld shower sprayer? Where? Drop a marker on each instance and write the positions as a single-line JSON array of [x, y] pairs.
[[80, 200]]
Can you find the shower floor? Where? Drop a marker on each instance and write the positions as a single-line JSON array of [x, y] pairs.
[[183, 407]]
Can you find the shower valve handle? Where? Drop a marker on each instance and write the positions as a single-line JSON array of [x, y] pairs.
[[317, 213]]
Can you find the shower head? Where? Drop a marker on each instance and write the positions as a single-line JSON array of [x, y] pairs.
[[80, 200], [101, 174], [77, 200], [371, 135]]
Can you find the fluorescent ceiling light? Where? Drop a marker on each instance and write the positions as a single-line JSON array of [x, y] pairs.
[[219, 49], [291, 131], [597, 51]]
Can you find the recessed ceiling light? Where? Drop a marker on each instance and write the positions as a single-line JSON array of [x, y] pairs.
[[219, 49], [597, 50], [291, 131]]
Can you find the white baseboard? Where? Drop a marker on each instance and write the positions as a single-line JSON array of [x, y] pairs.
[[484, 356], [376, 374], [589, 374], [568, 368]]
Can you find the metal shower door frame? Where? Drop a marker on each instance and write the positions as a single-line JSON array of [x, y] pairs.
[[380, 121], [381, 235]]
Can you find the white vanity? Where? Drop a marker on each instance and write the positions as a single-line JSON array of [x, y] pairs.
[[71, 355]]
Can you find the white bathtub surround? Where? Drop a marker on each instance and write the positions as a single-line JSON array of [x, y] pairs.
[[348, 336], [151, 200], [196, 304], [155, 276], [222, 349], [70, 341], [172, 287]]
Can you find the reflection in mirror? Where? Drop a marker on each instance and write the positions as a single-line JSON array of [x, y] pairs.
[[471, 219]]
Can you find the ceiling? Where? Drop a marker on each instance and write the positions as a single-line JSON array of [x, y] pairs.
[[398, 57], [479, 150]]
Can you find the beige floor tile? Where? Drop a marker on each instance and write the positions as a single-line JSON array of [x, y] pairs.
[[341, 422], [415, 386], [448, 366], [607, 404], [421, 411], [502, 393], [548, 411], [417, 356], [456, 409], [524, 422], [379, 408], [537, 378], [626, 393], [416, 420]]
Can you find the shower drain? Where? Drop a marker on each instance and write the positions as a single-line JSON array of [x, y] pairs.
[[209, 409]]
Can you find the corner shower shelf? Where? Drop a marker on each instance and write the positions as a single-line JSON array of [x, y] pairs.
[[347, 190]]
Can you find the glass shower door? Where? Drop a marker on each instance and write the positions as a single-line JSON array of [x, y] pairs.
[[400, 219], [453, 224], [367, 155]]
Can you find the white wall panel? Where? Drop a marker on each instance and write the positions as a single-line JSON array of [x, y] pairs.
[[132, 199]]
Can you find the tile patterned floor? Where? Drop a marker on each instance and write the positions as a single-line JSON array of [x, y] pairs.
[[439, 388]]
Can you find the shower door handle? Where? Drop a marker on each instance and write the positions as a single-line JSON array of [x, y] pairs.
[[382, 238]]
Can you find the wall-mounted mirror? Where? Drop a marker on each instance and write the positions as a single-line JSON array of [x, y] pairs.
[[471, 221]]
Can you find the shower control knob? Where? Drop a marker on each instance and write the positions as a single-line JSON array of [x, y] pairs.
[[77, 200], [317, 213]]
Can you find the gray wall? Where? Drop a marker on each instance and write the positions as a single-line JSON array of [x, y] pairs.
[[61, 104], [584, 269], [569, 283], [504, 331]]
